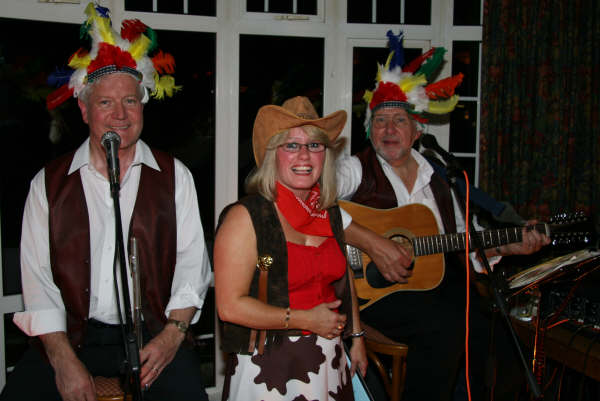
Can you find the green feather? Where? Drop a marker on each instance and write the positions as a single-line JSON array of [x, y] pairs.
[[431, 65], [153, 42], [84, 30]]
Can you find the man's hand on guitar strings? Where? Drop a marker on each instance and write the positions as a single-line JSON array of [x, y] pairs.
[[393, 260]]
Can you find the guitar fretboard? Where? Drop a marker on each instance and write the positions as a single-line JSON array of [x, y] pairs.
[[441, 243]]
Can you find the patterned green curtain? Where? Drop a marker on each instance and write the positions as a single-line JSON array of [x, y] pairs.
[[540, 134]]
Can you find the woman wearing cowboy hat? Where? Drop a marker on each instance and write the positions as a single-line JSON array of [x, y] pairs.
[[284, 292]]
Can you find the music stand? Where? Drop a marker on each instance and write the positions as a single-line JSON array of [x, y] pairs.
[[572, 266], [569, 268]]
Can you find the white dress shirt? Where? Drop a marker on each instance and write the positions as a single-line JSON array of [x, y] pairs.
[[44, 308], [349, 177]]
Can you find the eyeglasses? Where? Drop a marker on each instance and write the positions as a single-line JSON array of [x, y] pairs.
[[381, 121], [294, 147]]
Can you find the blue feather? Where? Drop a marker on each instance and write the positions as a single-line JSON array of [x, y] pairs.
[[395, 45], [60, 77], [102, 11]]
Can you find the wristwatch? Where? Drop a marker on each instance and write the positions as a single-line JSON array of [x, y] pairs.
[[181, 326]]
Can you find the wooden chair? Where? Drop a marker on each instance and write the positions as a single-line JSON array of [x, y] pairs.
[[109, 389], [377, 343]]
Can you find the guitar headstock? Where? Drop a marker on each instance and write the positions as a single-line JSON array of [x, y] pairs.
[[574, 228]]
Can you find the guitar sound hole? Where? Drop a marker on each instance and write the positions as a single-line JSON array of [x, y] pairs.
[[375, 278]]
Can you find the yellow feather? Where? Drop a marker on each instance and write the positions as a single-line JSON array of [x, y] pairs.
[[410, 82], [442, 106], [368, 96], [90, 10], [139, 48], [165, 85], [380, 69], [79, 62], [389, 60], [105, 30]]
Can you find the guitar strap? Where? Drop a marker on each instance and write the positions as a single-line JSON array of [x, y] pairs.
[[479, 197], [443, 199], [263, 264]]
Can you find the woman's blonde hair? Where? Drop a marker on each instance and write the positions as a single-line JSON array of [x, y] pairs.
[[263, 180]]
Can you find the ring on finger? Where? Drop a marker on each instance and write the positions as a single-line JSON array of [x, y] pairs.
[[340, 326]]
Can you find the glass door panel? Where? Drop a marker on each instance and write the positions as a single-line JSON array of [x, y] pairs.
[[273, 69]]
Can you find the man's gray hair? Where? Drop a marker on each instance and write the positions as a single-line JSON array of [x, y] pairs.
[[84, 94]]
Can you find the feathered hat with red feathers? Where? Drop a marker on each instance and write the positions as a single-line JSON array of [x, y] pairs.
[[407, 86], [111, 52]]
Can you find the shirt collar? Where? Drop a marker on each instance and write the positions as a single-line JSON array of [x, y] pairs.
[[425, 169], [143, 155]]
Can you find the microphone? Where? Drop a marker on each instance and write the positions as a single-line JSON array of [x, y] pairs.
[[428, 141], [111, 141], [453, 166]]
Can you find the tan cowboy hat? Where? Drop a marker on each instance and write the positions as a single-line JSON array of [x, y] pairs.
[[295, 112]]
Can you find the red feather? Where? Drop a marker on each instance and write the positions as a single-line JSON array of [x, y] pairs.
[[419, 118], [416, 63], [387, 91], [131, 29], [58, 97], [443, 88], [164, 63], [111, 55]]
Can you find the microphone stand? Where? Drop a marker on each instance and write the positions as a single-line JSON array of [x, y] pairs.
[[132, 354], [500, 299]]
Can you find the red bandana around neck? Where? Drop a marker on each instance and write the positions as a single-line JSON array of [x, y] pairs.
[[305, 217]]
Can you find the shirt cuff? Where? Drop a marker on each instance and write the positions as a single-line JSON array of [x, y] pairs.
[[186, 298], [35, 323], [346, 218], [478, 266]]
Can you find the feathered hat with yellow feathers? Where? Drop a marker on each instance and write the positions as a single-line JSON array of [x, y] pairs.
[[111, 52], [407, 86]]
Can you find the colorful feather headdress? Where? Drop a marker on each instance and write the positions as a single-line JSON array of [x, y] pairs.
[[110, 52], [406, 86]]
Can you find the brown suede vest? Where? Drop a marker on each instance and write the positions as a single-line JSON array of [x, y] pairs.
[[271, 240], [153, 224]]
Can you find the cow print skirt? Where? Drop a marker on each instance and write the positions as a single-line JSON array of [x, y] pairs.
[[303, 368]]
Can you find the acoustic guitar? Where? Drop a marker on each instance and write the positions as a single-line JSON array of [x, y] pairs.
[[415, 227]]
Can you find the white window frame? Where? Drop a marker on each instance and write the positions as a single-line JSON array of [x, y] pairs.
[[294, 16]]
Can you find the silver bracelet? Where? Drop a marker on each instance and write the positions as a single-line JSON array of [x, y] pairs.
[[359, 334]]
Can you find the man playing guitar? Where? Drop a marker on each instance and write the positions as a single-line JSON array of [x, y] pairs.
[[391, 174]]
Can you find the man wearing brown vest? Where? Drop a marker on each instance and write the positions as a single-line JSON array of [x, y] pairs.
[[68, 238], [388, 174]]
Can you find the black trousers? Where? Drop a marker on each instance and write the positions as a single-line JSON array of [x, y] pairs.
[[434, 334], [496, 371], [432, 324], [102, 354]]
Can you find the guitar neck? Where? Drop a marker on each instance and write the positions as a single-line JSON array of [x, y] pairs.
[[442, 243]]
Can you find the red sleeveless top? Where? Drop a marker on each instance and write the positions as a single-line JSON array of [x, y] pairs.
[[311, 270]]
